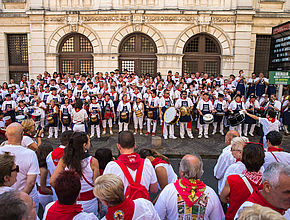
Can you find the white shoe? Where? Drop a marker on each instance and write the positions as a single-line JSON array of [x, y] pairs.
[[251, 134], [165, 137], [92, 135], [55, 136], [182, 137], [214, 132], [111, 132], [134, 133], [199, 136], [206, 136], [172, 137], [42, 135], [98, 136], [222, 133], [141, 133], [49, 136], [246, 135], [191, 136], [104, 132]]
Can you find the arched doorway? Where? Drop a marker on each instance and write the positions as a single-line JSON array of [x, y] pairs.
[[75, 54], [201, 54], [138, 54]]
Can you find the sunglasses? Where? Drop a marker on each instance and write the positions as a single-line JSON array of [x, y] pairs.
[[16, 169]]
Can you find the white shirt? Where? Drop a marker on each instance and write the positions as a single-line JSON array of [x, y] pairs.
[[282, 157], [79, 117], [26, 141], [178, 103], [171, 175], [148, 174], [144, 210], [80, 216], [166, 205], [28, 165], [39, 109], [202, 102], [122, 105]]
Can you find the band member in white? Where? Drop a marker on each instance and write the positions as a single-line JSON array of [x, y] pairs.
[[185, 105], [235, 106], [165, 103], [286, 113], [204, 106], [220, 107], [152, 114], [95, 110], [79, 116], [251, 105], [65, 115], [108, 113], [52, 119], [124, 113], [138, 114], [40, 107]]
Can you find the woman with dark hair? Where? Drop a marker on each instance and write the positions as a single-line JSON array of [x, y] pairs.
[[44, 189], [164, 171], [239, 187], [76, 158], [79, 116], [104, 156]]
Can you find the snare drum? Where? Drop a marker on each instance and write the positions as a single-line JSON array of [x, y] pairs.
[[124, 116], [208, 118], [236, 119], [94, 118], [65, 120], [50, 119], [139, 113], [20, 118], [150, 114], [171, 115], [35, 117], [7, 120]]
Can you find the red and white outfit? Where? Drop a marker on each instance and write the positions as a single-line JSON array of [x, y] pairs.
[[138, 120], [95, 108], [165, 103], [235, 107], [154, 102], [276, 156], [270, 124], [39, 108], [108, 107], [53, 128], [78, 119], [124, 107], [44, 198]]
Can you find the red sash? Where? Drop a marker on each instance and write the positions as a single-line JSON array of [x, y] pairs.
[[124, 211], [63, 212], [86, 196], [257, 198], [190, 190]]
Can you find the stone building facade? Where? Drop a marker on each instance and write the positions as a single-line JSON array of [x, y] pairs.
[[215, 36]]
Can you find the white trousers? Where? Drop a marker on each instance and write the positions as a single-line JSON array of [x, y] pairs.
[[183, 126], [252, 129], [149, 125], [138, 121], [97, 127], [110, 121], [53, 129], [215, 124], [203, 128], [121, 124], [237, 128], [165, 131], [65, 128], [79, 127]]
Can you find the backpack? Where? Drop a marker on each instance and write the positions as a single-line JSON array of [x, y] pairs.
[[135, 190]]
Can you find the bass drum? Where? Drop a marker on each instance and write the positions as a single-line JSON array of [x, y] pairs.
[[236, 119], [171, 115], [208, 118]]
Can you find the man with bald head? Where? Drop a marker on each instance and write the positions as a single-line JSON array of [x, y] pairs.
[[189, 197], [225, 159], [25, 158]]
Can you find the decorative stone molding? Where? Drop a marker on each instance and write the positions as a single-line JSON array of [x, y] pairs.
[[146, 29], [58, 34], [219, 34]]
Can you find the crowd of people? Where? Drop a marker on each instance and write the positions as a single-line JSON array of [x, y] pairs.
[[91, 103], [68, 183]]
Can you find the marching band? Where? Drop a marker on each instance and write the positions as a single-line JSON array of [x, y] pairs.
[[87, 102]]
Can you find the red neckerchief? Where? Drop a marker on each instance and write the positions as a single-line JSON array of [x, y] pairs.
[[205, 100], [124, 211], [125, 102], [257, 198], [77, 109], [157, 161], [274, 149], [130, 160], [64, 212], [238, 102], [271, 119], [39, 103], [69, 96], [190, 190], [56, 154], [255, 177]]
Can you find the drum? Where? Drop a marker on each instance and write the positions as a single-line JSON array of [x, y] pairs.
[[35, 116], [65, 119], [20, 118], [94, 118], [208, 118], [124, 115], [50, 119], [171, 115], [150, 114], [184, 111], [236, 119], [7, 120], [108, 115], [139, 114], [219, 114]]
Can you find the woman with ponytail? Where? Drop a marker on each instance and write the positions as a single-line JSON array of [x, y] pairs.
[[76, 158], [164, 171], [79, 116]]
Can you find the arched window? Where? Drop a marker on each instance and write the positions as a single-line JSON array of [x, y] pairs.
[[137, 54], [75, 54], [201, 54]]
